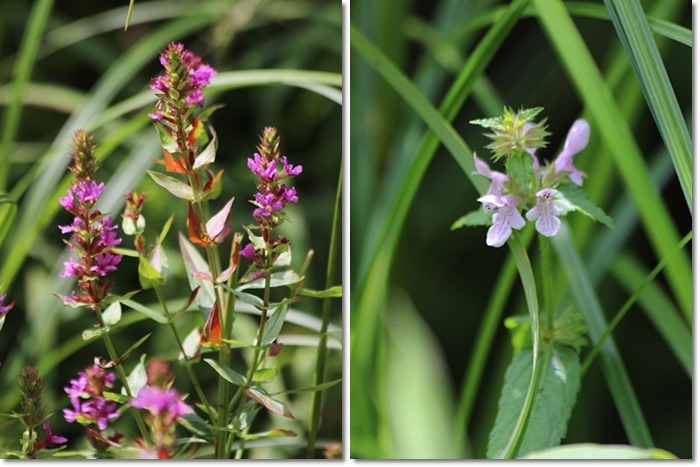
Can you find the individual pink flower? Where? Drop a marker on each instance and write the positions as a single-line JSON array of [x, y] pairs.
[[505, 219], [576, 141], [498, 179], [5, 308], [545, 213], [164, 404]]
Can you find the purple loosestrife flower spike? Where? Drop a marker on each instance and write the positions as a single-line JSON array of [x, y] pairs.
[[92, 233], [506, 218], [88, 404], [545, 213], [576, 141]]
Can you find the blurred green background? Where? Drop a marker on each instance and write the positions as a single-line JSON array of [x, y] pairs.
[[86, 66], [421, 315]]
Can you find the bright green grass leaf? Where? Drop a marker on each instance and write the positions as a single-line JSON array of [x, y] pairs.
[[473, 219], [599, 451], [573, 198], [635, 36], [557, 390], [227, 373], [333, 292], [112, 314]]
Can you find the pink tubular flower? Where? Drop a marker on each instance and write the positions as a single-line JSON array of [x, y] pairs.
[[88, 404], [5, 308], [163, 404], [576, 141], [505, 219], [498, 179], [545, 213]]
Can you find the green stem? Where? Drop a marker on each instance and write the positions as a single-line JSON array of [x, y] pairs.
[[547, 283], [120, 372], [528, 279], [317, 397], [187, 363]]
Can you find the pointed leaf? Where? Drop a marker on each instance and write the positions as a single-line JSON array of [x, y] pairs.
[[148, 275], [274, 325], [154, 315], [194, 262], [333, 292], [134, 346], [190, 345], [113, 396], [137, 378], [112, 314], [197, 425], [208, 155], [174, 186], [259, 395], [212, 189], [219, 225], [318, 387], [558, 387], [276, 433], [195, 229], [211, 334], [278, 279], [166, 228], [519, 168], [227, 373], [573, 198], [172, 164], [473, 219]]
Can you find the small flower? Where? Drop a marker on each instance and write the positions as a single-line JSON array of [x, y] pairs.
[[545, 213], [5, 308], [50, 437], [163, 404], [290, 169], [498, 179], [576, 141], [105, 262], [506, 218]]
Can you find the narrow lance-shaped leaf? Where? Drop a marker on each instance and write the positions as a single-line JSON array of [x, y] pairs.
[[573, 198], [259, 395], [195, 263], [219, 226], [209, 154], [227, 373], [473, 219], [195, 230], [174, 186]]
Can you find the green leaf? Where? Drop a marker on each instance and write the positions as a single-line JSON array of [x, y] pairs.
[[134, 346], [190, 345], [558, 386], [154, 315], [519, 168], [473, 219], [227, 373], [174, 186], [264, 374], [274, 325], [148, 275], [599, 451], [276, 433], [208, 155], [90, 334], [573, 198], [318, 387], [277, 279], [113, 396], [260, 396], [112, 314], [137, 378], [195, 263], [520, 327], [334, 292], [197, 425]]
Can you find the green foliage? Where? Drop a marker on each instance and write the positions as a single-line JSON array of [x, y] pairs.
[[573, 198], [556, 395], [599, 451]]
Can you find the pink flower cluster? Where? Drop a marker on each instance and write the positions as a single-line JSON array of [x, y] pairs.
[[89, 406], [185, 76], [92, 234]]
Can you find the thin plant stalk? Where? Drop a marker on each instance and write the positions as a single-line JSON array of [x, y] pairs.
[[317, 396]]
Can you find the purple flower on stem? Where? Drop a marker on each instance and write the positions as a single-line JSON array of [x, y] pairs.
[[50, 437], [545, 213], [266, 170], [88, 404], [163, 404], [505, 219], [576, 141], [498, 179]]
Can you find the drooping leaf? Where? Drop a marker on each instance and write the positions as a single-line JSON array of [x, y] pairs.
[[558, 387], [333, 292], [573, 198], [208, 155], [219, 226], [473, 219], [194, 262], [227, 373], [137, 378], [172, 164], [599, 451], [112, 314], [274, 325], [174, 186], [154, 315], [260, 396]]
